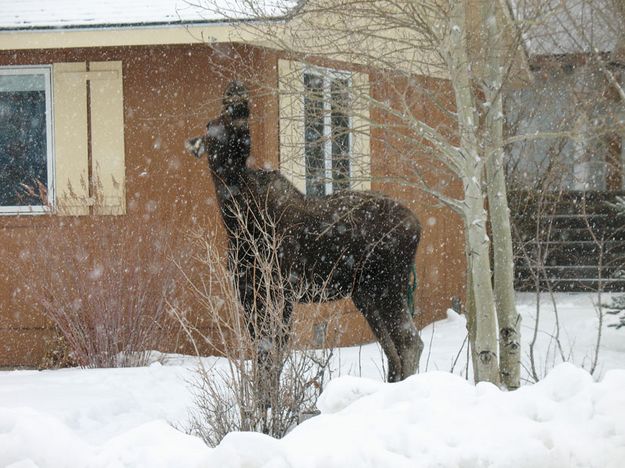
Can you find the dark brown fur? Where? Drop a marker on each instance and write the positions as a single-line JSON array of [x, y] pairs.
[[349, 244]]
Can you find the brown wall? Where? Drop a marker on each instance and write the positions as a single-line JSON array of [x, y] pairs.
[[401, 161], [169, 94]]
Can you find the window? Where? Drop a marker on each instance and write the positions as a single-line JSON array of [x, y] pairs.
[[324, 128], [571, 100], [26, 166], [326, 132]]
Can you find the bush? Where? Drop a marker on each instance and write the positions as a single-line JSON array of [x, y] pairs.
[[270, 380], [104, 283]]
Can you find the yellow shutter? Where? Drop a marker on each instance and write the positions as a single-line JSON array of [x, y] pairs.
[[361, 140], [107, 137], [70, 139], [291, 101]]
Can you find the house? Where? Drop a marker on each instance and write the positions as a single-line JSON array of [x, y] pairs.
[[570, 233], [96, 102]]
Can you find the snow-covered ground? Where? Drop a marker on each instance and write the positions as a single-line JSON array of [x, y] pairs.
[[136, 417]]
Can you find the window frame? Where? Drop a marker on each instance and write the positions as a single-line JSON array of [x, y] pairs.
[[46, 71], [329, 75]]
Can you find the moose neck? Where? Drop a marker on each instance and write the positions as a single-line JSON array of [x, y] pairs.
[[228, 168]]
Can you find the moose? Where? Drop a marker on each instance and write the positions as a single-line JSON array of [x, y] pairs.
[[348, 244]]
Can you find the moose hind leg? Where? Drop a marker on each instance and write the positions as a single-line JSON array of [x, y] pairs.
[[365, 304], [403, 332], [410, 348]]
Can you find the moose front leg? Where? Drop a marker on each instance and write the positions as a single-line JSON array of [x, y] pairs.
[[258, 346], [272, 352], [269, 324]]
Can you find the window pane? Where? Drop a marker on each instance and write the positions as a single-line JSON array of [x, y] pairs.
[[314, 141], [340, 134], [23, 140]]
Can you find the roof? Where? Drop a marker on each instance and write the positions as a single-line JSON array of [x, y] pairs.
[[94, 14]]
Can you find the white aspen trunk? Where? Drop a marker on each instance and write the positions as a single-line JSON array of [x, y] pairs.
[[503, 260], [482, 319], [503, 267]]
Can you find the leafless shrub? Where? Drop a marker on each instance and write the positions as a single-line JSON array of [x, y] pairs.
[[103, 283], [271, 378]]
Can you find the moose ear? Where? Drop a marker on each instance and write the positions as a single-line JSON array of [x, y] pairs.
[[195, 146]]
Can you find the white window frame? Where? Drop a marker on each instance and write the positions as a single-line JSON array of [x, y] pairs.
[[329, 74], [45, 70]]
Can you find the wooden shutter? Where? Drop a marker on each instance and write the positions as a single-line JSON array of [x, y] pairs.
[[71, 133], [107, 137], [360, 166], [291, 102], [71, 139]]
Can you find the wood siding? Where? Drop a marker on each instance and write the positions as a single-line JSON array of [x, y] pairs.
[[169, 94]]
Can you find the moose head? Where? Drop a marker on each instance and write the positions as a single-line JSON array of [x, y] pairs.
[[227, 138]]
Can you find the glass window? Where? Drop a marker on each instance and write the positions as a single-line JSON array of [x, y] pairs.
[[340, 134], [565, 101], [25, 140], [327, 132], [314, 124]]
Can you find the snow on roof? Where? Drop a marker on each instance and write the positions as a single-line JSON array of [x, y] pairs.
[[553, 27], [61, 14]]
